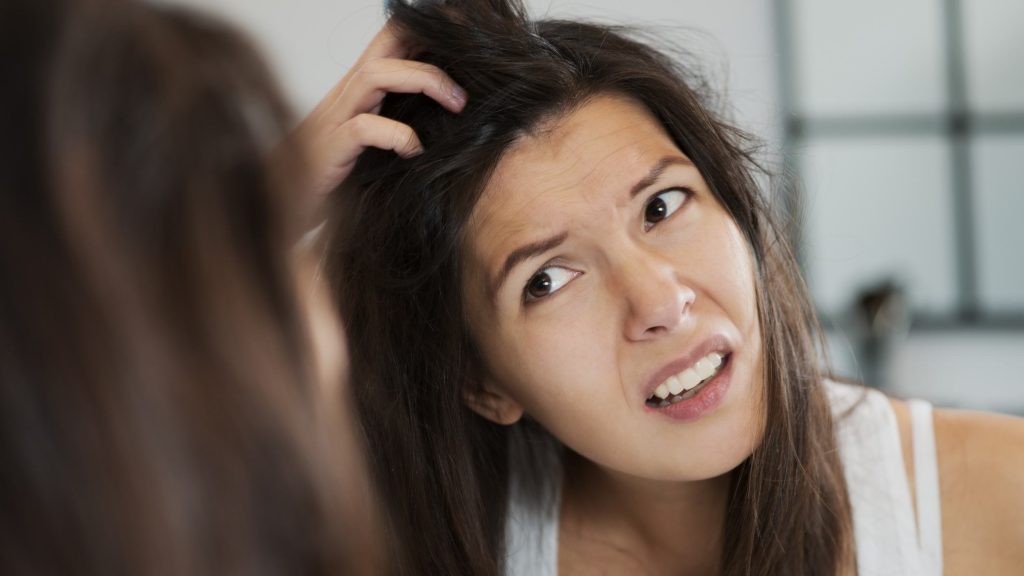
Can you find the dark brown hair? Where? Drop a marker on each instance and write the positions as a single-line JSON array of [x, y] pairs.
[[399, 227], [157, 404]]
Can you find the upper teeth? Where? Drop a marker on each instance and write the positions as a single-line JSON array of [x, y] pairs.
[[688, 379]]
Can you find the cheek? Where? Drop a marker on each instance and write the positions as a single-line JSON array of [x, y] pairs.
[[548, 364], [732, 265], [551, 360]]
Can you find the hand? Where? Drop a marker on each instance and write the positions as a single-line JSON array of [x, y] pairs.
[[345, 122]]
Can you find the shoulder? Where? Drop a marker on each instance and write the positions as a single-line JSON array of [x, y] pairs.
[[981, 442], [981, 483]]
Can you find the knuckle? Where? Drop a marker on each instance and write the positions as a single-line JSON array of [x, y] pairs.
[[421, 66], [362, 70], [361, 126], [372, 70], [371, 67], [401, 137], [428, 74], [442, 84], [411, 141]]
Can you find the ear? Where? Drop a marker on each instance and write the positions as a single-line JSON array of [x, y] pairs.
[[493, 404]]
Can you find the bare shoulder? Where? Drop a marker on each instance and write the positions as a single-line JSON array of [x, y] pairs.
[[981, 483]]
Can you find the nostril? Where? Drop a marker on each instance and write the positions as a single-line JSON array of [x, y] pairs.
[[656, 330], [657, 296]]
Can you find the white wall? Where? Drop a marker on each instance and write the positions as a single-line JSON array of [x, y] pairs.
[[967, 369]]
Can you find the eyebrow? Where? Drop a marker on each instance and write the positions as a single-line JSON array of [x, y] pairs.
[[539, 247], [656, 171], [524, 253]]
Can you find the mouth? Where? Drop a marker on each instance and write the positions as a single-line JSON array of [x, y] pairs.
[[688, 382]]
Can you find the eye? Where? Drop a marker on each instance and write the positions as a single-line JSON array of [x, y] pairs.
[[662, 205], [547, 281]]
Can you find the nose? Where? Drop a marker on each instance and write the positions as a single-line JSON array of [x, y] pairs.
[[657, 298]]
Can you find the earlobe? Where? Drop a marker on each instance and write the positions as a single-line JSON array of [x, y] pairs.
[[493, 404]]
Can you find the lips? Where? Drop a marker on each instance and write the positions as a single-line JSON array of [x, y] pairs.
[[683, 368], [689, 382]]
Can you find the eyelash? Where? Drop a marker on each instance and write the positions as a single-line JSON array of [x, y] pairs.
[[687, 194], [530, 299]]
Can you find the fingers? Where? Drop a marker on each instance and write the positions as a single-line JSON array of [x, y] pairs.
[[372, 81], [370, 130], [346, 122], [336, 153], [385, 44]]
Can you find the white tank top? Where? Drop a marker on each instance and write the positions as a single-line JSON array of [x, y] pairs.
[[886, 532]]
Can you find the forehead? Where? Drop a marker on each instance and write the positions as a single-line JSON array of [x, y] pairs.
[[601, 148]]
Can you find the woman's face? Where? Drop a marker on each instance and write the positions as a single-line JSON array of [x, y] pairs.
[[600, 270]]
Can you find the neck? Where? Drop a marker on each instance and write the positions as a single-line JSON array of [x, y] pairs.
[[667, 527]]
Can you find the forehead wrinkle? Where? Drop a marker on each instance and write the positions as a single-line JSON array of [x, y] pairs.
[[551, 174], [563, 173], [557, 176], [492, 238], [555, 148], [505, 190], [572, 159]]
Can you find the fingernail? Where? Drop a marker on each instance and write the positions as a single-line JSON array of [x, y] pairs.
[[458, 95]]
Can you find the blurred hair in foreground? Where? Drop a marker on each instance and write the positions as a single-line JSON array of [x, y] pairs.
[[160, 407]]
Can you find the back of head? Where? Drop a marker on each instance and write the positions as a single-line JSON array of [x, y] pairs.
[[399, 228], [158, 413]]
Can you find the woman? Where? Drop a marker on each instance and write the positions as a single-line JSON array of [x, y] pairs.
[[164, 407], [582, 346]]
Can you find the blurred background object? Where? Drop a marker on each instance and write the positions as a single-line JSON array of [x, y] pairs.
[[877, 323], [903, 124]]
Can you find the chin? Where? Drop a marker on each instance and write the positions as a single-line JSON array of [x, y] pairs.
[[711, 463], [720, 447]]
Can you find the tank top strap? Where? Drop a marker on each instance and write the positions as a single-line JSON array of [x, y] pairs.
[[868, 438], [926, 484]]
